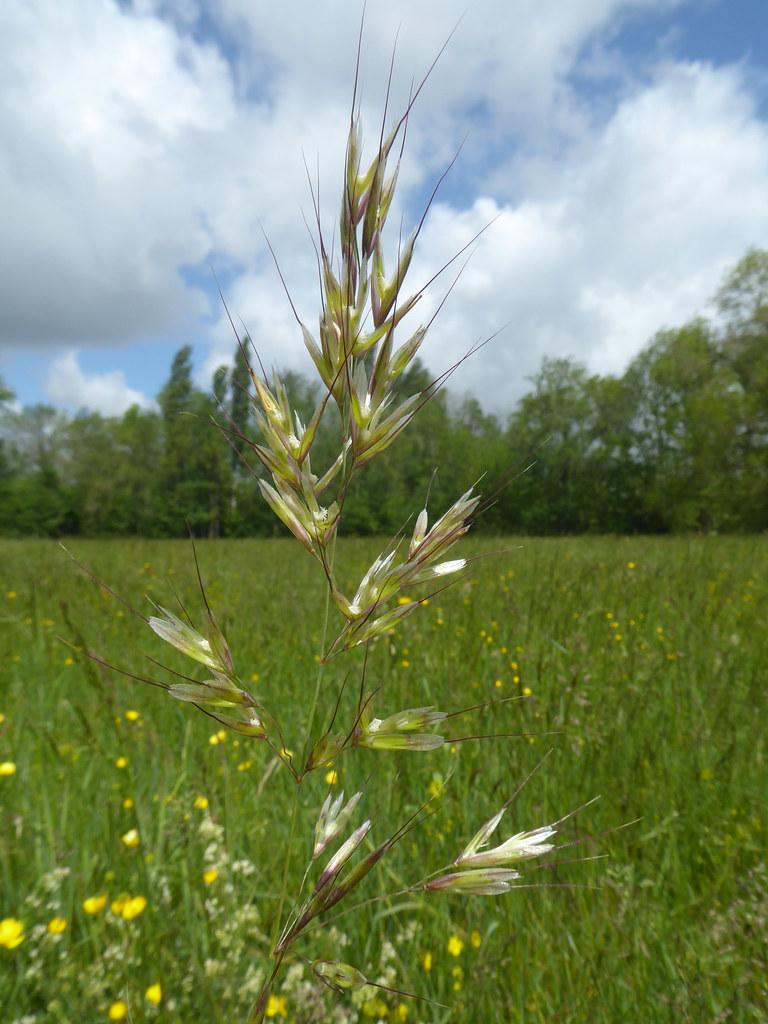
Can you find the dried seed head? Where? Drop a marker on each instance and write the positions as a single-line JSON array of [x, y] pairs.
[[483, 882], [413, 741], [419, 532], [286, 514], [185, 639], [398, 731], [339, 976], [218, 692], [409, 721], [242, 720], [522, 846], [481, 837], [332, 821], [342, 855]]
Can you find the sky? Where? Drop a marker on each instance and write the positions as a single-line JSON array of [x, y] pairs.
[[147, 147]]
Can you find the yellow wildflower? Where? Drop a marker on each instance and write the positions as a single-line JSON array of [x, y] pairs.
[[11, 933], [401, 1012], [133, 907], [332, 777], [426, 961], [2, 717], [69, 661], [201, 803], [375, 1007], [403, 599], [154, 993], [210, 875], [132, 716], [475, 938], [10, 594], [7, 768], [94, 904], [131, 838], [455, 945], [118, 1010], [435, 788], [631, 565], [57, 925], [127, 803], [276, 1007], [121, 762]]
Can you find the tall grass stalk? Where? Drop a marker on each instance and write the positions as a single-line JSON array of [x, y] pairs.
[[361, 361]]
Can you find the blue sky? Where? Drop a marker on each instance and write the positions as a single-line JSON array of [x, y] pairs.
[[620, 145]]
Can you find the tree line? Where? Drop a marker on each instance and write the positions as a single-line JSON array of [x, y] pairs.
[[678, 442]]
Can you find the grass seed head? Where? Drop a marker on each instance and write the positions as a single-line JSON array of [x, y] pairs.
[[333, 820], [480, 882], [339, 976]]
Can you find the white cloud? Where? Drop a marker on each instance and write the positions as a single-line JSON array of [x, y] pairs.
[[630, 231], [128, 157], [107, 393], [135, 148], [635, 232]]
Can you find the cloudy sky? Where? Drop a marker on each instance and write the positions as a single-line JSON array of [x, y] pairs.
[[620, 145]]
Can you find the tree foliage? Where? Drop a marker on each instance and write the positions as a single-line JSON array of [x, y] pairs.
[[678, 442]]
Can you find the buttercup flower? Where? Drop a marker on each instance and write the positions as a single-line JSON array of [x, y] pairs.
[[154, 994], [11, 933], [131, 838], [276, 1007], [94, 904], [132, 907]]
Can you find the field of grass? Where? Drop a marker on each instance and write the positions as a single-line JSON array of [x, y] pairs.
[[644, 659]]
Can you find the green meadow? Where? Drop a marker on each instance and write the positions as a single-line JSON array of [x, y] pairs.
[[142, 852]]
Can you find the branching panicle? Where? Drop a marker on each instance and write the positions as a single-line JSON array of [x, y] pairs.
[[360, 364]]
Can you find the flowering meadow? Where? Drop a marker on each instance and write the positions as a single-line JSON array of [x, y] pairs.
[[138, 875]]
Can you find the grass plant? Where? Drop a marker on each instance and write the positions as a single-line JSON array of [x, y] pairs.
[[652, 676], [157, 863]]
